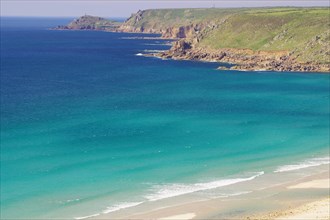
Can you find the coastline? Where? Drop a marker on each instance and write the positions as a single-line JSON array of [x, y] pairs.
[[268, 39], [248, 62], [303, 196], [242, 59], [259, 175]]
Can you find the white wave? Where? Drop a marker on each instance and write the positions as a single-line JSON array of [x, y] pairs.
[[167, 191], [139, 54], [165, 44], [87, 216], [121, 206], [153, 51], [305, 164], [68, 201], [112, 209], [72, 200]]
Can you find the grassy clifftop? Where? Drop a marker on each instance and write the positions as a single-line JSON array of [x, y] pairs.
[[290, 35], [304, 32], [165, 18]]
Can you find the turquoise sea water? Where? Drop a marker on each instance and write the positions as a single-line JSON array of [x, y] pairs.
[[89, 127]]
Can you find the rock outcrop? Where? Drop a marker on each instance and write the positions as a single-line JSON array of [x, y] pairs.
[[249, 39], [88, 22], [243, 59]]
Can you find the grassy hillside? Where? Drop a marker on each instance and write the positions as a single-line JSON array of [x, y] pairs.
[[299, 30], [303, 31], [165, 18], [269, 29]]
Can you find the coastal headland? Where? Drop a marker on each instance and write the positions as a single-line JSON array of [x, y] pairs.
[[255, 39]]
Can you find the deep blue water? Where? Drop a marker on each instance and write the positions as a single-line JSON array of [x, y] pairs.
[[86, 124]]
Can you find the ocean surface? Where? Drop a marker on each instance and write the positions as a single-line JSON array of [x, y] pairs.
[[89, 127]]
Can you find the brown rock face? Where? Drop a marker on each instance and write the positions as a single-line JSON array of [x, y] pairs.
[[244, 59], [189, 31]]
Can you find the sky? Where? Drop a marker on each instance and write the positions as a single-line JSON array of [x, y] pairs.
[[124, 8]]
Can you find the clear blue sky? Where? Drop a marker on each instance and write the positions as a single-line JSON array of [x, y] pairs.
[[124, 8]]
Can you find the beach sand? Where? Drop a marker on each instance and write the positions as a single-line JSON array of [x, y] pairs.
[[320, 183], [315, 210], [186, 216], [307, 197], [309, 211]]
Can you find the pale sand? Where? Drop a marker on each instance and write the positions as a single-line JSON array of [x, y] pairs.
[[289, 201], [321, 183], [314, 210], [186, 216]]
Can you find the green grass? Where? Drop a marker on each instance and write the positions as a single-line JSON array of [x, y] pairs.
[[303, 31], [164, 18], [267, 30]]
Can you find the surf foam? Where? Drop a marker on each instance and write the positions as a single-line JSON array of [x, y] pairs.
[[172, 190], [87, 216], [120, 206], [153, 51], [305, 164], [167, 191]]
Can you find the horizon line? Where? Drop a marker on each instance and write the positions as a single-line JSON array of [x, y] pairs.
[[73, 16]]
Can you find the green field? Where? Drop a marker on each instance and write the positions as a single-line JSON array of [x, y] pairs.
[[303, 31]]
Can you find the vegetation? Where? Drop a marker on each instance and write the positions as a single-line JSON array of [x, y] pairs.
[[303, 31], [165, 18], [88, 22]]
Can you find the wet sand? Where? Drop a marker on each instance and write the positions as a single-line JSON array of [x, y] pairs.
[[304, 198]]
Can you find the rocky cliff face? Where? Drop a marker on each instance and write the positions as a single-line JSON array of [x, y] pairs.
[[244, 59], [275, 41], [189, 31], [136, 24]]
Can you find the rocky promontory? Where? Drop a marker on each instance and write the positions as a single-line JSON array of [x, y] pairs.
[[243, 59], [274, 39], [88, 22]]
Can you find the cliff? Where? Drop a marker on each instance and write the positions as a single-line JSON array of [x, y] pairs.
[[243, 59], [281, 39], [175, 23]]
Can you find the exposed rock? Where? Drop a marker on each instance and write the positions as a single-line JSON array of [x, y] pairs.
[[192, 34], [244, 59]]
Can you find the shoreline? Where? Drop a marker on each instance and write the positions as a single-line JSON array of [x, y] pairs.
[[242, 59], [278, 200]]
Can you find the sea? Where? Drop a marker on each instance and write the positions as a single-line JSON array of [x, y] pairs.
[[90, 126]]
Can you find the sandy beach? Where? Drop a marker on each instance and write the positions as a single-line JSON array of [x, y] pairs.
[[319, 209], [304, 198], [315, 210]]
